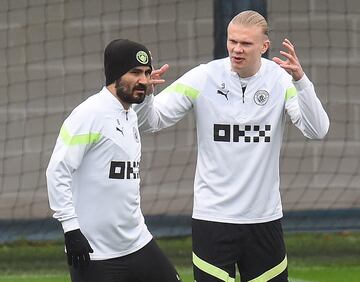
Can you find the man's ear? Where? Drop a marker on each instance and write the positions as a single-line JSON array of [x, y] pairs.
[[265, 46]]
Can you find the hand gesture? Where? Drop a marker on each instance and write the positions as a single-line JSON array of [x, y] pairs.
[[156, 78], [291, 64]]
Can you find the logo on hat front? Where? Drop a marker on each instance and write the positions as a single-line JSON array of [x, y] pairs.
[[142, 57]]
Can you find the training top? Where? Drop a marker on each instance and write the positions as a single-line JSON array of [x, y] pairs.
[[239, 134], [93, 177]]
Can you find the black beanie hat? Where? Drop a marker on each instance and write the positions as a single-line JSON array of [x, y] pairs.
[[121, 55]]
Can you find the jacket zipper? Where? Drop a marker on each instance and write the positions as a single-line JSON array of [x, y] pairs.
[[243, 90]]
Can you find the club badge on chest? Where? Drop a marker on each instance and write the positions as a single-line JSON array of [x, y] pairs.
[[261, 97]]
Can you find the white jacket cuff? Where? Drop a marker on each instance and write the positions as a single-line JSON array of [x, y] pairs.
[[302, 83], [70, 224]]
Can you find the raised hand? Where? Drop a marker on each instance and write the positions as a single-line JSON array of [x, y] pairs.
[[156, 78], [292, 63]]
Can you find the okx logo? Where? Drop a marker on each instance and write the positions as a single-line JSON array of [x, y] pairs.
[[242, 133], [124, 170]]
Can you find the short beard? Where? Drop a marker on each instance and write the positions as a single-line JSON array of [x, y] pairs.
[[124, 93]]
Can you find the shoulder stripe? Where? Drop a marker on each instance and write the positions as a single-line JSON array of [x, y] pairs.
[[290, 92], [81, 139], [184, 90]]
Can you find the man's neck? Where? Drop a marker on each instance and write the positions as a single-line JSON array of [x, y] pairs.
[[112, 90], [245, 73]]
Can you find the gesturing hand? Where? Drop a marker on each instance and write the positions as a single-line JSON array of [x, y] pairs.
[[291, 64], [77, 249], [156, 78]]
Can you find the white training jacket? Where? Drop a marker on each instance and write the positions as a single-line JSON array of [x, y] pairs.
[[239, 134], [93, 177]]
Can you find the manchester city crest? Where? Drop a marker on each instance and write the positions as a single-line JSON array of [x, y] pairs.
[[142, 57], [261, 97]]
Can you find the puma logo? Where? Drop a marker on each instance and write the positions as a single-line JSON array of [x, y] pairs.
[[121, 130], [223, 93]]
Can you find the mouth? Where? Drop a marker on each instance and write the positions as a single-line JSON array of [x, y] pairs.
[[140, 90], [237, 59]]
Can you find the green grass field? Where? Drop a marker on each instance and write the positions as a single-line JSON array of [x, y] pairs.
[[318, 257]]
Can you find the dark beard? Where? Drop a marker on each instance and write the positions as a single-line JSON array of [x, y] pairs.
[[125, 94]]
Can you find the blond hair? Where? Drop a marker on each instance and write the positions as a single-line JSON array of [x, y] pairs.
[[251, 18]]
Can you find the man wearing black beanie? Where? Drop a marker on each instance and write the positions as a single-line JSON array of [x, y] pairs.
[[120, 57], [93, 177]]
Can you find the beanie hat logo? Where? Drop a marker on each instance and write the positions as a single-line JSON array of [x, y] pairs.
[[142, 57]]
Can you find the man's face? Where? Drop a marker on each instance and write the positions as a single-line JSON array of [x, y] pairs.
[[131, 87], [246, 44]]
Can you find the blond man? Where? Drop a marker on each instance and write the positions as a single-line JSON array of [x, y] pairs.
[[240, 105]]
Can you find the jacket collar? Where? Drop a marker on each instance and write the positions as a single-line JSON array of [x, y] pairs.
[[116, 104]]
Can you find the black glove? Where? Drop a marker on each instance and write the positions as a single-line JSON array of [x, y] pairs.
[[77, 248]]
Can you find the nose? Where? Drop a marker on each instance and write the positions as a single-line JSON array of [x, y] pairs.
[[238, 48], [143, 79]]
